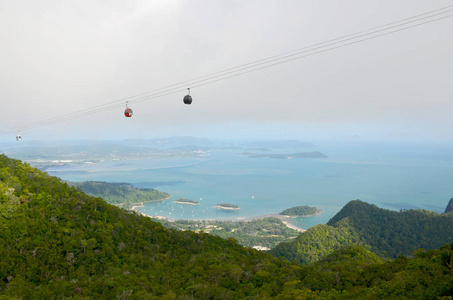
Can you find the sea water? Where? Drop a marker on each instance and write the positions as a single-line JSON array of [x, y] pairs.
[[390, 176]]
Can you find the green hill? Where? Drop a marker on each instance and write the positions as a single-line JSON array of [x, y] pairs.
[[119, 193], [387, 233], [356, 273], [58, 243]]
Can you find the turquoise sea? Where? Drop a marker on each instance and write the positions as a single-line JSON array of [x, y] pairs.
[[391, 176]]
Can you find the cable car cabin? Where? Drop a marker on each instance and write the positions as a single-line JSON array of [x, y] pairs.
[[128, 112], [18, 138], [187, 99]]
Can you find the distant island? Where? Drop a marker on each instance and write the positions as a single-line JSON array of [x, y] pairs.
[[301, 211], [120, 193], [314, 154], [228, 206], [186, 201]]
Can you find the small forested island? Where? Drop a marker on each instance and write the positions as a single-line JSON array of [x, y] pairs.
[[186, 201], [301, 211], [228, 206]]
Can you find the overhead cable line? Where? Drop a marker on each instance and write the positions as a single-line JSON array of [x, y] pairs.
[[317, 52], [253, 66]]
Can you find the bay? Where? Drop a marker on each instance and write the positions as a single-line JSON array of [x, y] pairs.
[[390, 176]]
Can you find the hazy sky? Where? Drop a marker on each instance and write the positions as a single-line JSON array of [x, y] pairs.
[[58, 57]]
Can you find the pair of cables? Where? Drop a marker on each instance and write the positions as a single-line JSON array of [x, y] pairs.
[[254, 66]]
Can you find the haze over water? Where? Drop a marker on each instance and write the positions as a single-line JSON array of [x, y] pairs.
[[391, 176]]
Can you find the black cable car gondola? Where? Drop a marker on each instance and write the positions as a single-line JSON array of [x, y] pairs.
[[128, 112], [18, 137], [187, 98]]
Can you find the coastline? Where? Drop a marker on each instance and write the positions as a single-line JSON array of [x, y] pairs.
[[286, 220], [140, 204], [290, 225]]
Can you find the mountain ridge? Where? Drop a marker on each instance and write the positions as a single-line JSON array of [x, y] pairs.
[[386, 233]]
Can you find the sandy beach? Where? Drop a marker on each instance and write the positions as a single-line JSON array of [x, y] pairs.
[[285, 219], [140, 204], [294, 227]]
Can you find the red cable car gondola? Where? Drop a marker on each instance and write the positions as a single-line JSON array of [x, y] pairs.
[[128, 112]]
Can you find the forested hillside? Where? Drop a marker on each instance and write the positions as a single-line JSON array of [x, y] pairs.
[[58, 243], [355, 273], [387, 233]]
